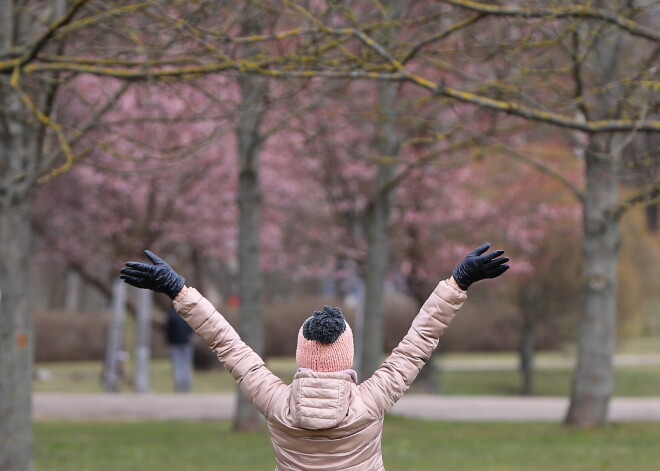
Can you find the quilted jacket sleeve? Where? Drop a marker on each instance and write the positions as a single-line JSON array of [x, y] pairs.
[[256, 381], [399, 370]]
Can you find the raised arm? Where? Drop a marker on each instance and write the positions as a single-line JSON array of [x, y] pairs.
[[256, 381], [396, 374]]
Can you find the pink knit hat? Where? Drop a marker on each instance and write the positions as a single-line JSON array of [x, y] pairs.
[[325, 342]]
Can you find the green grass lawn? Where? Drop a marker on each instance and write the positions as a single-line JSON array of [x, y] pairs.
[[409, 445], [84, 377], [631, 381]]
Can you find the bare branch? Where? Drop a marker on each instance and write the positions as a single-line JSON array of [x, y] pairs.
[[261, 68], [549, 117], [569, 11], [543, 169], [649, 196], [442, 35], [78, 134], [33, 49]]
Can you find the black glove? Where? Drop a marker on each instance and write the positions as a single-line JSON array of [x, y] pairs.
[[158, 277], [477, 267]]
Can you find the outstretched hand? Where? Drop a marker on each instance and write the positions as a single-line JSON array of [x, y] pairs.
[[158, 277], [477, 266]]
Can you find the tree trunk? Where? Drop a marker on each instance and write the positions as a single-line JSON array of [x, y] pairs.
[[356, 291], [531, 312], [113, 366], [250, 282], [527, 351], [142, 340], [651, 212], [72, 298], [527, 348], [593, 380], [18, 158], [378, 219], [376, 268], [21, 144], [428, 379], [387, 144], [16, 338]]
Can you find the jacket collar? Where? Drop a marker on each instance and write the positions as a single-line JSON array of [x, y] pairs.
[[309, 373]]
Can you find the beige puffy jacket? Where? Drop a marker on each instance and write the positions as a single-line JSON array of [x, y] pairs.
[[325, 421]]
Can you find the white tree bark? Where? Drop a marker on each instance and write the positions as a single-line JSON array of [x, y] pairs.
[[73, 283], [143, 340], [113, 355]]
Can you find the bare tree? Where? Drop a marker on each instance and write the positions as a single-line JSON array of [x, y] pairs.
[[609, 63], [250, 140], [593, 380], [386, 144]]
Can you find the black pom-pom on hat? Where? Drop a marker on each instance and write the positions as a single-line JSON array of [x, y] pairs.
[[325, 326]]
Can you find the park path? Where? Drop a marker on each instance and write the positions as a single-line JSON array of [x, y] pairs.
[[129, 406]]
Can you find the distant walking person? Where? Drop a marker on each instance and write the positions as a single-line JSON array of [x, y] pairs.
[[177, 333], [325, 419]]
